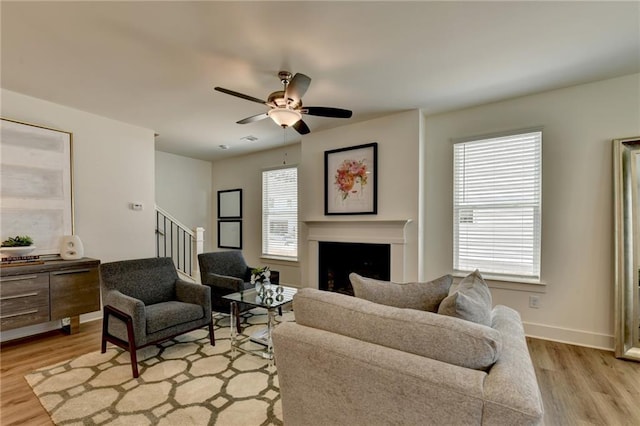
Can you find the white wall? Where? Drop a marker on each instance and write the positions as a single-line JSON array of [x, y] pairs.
[[398, 138], [183, 188], [398, 184], [577, 195], [112, 166], [245, 172]]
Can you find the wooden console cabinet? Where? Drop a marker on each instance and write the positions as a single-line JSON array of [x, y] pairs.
[[53, 290]]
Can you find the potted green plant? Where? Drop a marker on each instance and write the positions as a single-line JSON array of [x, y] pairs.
[[20, 245]]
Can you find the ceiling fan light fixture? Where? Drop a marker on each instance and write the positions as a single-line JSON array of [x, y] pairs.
[[284, 117]]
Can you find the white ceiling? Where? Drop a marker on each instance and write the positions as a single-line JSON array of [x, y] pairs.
[[154, 64]]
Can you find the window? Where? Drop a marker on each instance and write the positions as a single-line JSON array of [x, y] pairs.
[[280, 213], [496, 205]]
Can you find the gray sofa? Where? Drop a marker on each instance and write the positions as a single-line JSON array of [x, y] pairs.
[[349, 361]]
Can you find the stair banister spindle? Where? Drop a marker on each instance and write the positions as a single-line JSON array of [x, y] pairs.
[[192, 241]]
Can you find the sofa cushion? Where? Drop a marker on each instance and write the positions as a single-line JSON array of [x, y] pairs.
[[469, 300], [423, 333], [424, 296]]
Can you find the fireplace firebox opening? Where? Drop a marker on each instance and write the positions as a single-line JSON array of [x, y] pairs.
[[337, 260]]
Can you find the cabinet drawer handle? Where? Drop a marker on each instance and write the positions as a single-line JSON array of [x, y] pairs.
[[75, 271], [20, 278], [17, 296], [32, 311]]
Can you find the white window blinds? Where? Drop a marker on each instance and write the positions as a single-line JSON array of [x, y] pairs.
[[496, 205], [280, 213]]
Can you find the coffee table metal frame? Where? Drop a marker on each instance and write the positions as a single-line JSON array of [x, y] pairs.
[[271, 304]]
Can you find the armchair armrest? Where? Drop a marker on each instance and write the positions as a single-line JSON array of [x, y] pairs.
[[197, 294], [223, 281], [130, 306]]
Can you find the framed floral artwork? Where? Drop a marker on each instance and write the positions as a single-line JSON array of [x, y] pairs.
[[350, 180]]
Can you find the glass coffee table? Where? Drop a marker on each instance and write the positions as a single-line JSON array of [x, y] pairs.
[[262, 338]]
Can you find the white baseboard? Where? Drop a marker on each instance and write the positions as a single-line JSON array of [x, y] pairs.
[[91, 316], [569, 336], [537, 331], [32, 330]]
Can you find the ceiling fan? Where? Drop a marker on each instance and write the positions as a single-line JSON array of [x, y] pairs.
[[285, 106]]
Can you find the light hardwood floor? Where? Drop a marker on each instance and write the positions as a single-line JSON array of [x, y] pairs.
[[580, 386]]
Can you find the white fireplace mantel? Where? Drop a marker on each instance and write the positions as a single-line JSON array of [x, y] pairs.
[[358, 231]]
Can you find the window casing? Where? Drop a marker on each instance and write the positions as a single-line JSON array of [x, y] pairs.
[[280, 213], [497, 205]]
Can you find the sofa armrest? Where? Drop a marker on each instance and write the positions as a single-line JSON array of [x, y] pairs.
[[197, 294], [131, 306], [223, 281], [365, 383], [511, 388]]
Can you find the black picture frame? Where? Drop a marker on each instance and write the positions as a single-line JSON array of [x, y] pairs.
[[351, 180], [230, 204], [230, 234]]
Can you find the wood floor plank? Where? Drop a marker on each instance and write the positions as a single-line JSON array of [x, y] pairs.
[[585, 386], [19, 405], [579, 386]]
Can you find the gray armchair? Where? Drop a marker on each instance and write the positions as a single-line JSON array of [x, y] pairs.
[[227, 272], [146, 303]]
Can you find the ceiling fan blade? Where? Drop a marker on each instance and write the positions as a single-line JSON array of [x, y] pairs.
[[253, 118], [301, 127], [297, 87], [327, 112], [240, 95]]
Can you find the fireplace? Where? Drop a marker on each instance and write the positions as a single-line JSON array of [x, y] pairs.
[[337, 260], [390, 233]]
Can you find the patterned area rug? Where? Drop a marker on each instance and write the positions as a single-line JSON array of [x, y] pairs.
[[184, 381]]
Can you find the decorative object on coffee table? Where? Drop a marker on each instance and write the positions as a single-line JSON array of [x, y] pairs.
[[260, 278], [350, 185]]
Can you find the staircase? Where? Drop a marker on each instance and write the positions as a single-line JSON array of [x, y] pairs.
[[177, 241]]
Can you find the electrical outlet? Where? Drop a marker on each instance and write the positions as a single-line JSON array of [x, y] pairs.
[[534, 302]]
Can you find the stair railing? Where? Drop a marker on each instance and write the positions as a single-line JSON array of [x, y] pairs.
[[177, 241]]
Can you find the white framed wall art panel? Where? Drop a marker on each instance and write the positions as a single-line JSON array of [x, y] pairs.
[[36, 184]]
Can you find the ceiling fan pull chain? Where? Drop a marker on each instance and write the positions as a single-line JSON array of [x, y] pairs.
[[284, 142]]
